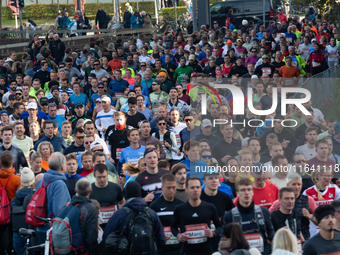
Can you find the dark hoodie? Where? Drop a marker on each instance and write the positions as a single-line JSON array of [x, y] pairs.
[[136, 204], [88, 223]]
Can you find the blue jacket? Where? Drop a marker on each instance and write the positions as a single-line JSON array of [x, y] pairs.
[[197, 168], [336, 146], [224, 188], [136, 204], [64, 22], [145, 91], [133, 20], [117, 86], [57, 142], [59, 119], [40, 115], [57, 192]]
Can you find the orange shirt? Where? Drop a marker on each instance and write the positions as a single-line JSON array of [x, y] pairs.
[[264, 197], [12, 185], [288, 75], [45, 165], [115, 64]]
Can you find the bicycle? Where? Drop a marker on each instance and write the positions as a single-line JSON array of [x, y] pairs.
[[28, 233], [183, 21]]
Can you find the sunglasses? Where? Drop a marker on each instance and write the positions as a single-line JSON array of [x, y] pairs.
[[18, 94], [270, 86], [161, 124], [97, 64], [104, 81], [143, 65], [300, 161], [254, 51], [100, 150], [44, 105], [80, 137], [100, 87], [155, 84], [206, 156], [187, 120], [88, 142]]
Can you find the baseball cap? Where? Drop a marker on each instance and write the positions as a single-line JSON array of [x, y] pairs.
[[32, 105], [13, 97], [229, 41], [254, 76], [192, 57], [245, 141], [193, 74], [314, 40], [336, 127], [95, 144], [100, 84], [76, 16], [235, 30], [106, 99], [215, 22], [78, 104], [206, 123], [136, 12], [278, 22], [43, 100]]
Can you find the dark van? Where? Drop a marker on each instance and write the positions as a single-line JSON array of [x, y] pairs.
[[243, 9]]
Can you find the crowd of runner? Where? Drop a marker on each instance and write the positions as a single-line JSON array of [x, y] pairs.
[[117, 128]]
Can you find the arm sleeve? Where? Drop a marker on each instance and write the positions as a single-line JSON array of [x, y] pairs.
[[312, 204], [216, 220], [60, 197], [91, 235], [174, 142], [180, 136], [175, 223], [161, 150], [269, 225], [98, 124]]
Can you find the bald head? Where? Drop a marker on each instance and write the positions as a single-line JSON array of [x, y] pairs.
[[38, 178]]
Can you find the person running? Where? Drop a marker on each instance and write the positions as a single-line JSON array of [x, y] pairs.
[[164, 206], [327, 241], [193, 218], [254, 220]]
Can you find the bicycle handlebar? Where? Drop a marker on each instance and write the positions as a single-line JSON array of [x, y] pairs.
[[46, 220]]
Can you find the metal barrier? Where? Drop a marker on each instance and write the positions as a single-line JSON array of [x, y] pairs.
[[321, 85]]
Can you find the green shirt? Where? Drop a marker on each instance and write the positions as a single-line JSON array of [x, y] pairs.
[[25, 144], [68, 140], [32, 92], [155, 98], [120, 102], [180, 72], [194, 92], [298, 34]]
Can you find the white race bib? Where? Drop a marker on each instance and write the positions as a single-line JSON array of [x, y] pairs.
[[255, 241], [106, 212], [196, 233], [173, 239]]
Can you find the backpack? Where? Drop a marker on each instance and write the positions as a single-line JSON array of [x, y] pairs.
[[37, 206], [136, 237], [227, 22], [166, 137], [5, 209], [18, 216], [66, 231]]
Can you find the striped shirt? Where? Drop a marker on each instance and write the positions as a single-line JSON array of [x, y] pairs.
[[70, 91], [104, 119]]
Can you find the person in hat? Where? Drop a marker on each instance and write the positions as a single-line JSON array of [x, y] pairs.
[[216, 26], [27, 180], [79, 113], [32, 109], [136, 20], [327, 240], [281, 15]]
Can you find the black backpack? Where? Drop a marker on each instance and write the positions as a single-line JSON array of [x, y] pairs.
[[137, 236], [18, 216], [166, 138]]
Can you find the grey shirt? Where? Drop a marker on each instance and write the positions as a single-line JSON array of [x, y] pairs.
[[102, 73]]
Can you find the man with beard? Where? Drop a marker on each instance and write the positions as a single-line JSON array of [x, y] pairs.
[[183, 72], [169, 66]]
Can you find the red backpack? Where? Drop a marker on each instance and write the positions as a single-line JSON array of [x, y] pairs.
[[37, 206], [5, 209], [227, 22]]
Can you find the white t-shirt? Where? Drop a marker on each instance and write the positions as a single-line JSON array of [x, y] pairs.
[[309, 153], [332, 53]]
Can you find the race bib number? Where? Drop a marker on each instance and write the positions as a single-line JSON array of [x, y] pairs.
[[155, 109], [118, 153], [267, 70], [316, 64], [332, 56], [118, 95], [196, 233], [294, 64], [106, 212], [173, 239], [162, 143], [255, 241]]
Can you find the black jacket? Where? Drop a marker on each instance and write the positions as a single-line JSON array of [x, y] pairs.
[[18, 156], [196, 66], [101, 17], [88, 223]]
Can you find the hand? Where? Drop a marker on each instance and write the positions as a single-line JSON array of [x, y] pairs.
[[167, 145], [306, 213], [167, 236], [182, 237], [149, 197], [284, 144], [225, 158], [179, 153], [112, 160], [104, 130], [171, 70], [208, 233], [316, 122]]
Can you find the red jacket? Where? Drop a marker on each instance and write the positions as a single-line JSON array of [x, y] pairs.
[[316, 59]]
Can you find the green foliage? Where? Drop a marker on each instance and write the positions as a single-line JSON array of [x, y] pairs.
[[148, 7], [169, 13]]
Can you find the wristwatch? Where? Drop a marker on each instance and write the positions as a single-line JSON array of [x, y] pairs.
[[311, 217]]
